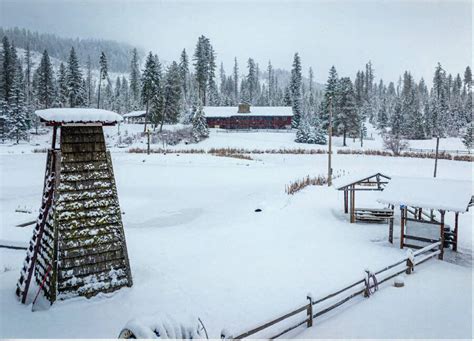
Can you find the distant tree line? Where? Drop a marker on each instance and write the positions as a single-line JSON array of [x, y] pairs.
[[175, 92], [59, 47]]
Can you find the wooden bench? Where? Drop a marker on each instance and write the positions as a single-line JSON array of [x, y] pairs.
[[374, 215]]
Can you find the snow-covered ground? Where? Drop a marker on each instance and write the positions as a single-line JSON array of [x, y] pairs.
[[197, 246]]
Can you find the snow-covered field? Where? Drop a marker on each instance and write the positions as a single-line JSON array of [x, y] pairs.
[[197, 246]]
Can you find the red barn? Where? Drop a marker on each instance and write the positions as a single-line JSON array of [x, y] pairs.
[[244, 117]]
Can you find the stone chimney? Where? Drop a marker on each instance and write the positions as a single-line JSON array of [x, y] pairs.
[[244, 108]]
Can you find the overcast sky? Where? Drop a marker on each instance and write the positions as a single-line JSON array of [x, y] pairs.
[[395, 35]]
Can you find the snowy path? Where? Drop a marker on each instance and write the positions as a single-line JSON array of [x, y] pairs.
[[197, 247]]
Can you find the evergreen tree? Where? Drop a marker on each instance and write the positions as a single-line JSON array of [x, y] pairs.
[[439, 106], [45, 82], [171, 95], [17, 121], [103, 74], [467, 138], [200, 129], [150, 84], [125, 95], [212, 85], [184, 75], [251, 82], [296, 91], [8, 70], [74, 80], [89, 88], [62, 85], [202, 67], [310, 132], [330, 92], [236, 81], [346, 119], [135, 80]]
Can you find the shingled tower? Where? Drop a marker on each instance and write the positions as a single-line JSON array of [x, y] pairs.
[[78, 246]]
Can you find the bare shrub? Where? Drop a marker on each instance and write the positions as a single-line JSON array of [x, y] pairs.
[[394, 143]]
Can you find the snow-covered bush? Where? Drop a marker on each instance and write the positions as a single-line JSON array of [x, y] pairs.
[[467, 138], [310, 133]]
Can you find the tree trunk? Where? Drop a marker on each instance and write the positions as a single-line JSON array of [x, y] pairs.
[[146, 116], [344, 138]]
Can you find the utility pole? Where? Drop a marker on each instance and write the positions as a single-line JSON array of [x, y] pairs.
[[330, 143], [436, 156]]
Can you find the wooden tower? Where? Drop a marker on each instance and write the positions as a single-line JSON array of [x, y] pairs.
[[78, 246]]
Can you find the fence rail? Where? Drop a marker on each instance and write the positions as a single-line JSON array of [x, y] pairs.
[[441, 151], [366, 287]]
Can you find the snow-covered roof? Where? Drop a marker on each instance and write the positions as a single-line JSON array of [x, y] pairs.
[[432, 193], [350, 179], [254, 111], [135, 113], [78, 115]]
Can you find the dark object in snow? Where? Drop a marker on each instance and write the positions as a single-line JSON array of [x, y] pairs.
[[258, 210], [399, 282], [79, 233]]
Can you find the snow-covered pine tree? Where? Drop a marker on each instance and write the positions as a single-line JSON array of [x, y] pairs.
[[212, 84], [45, 82], [310, 132], [184, 76], [200, 130], [135, 81], [201, 67], [296, 91], [103, 74], [89, 88], [467, 138], [62, 86], [345, 118], [7, 69], [236, 81], [251, 82], [74, 80], [17, 119], [330, 92], [150, 82], [125, 95], [171, 96]]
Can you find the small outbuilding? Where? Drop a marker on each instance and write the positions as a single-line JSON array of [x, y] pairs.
[[422, 198], [135, 116]]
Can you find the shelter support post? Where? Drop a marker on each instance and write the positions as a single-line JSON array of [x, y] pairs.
[[390, 227], [352, 193], [346, 195], [441, 227], [456, 225], [403, 212], [420, 211]]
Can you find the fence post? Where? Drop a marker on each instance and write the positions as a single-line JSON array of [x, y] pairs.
[[309, 311], [410, 266]]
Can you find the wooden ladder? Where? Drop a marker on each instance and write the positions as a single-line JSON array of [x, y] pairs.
[[35, 242]]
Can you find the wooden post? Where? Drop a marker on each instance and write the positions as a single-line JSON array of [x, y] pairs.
[[402, 225], [148, 142], [420, 211], [436, 157], [330, 143], [441, 227], [346, 195], [309, 312], [390, 230], [352, 213], [456, 225], [53, 143], [410, 267]]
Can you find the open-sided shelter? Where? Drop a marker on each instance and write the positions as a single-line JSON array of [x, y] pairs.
[[78, 245], [418, 196], [363, 182]]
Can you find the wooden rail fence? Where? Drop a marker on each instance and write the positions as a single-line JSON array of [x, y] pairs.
[[365, 286]]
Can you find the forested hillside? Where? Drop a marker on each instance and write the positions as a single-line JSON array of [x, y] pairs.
[[58, 47]]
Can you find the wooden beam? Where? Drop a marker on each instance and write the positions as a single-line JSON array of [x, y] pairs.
[[346, 194]]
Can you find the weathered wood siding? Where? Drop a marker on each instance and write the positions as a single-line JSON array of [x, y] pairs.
[[84, 241], [250, 122]]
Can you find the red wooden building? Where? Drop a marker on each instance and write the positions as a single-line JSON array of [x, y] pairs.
[[246, 117]]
